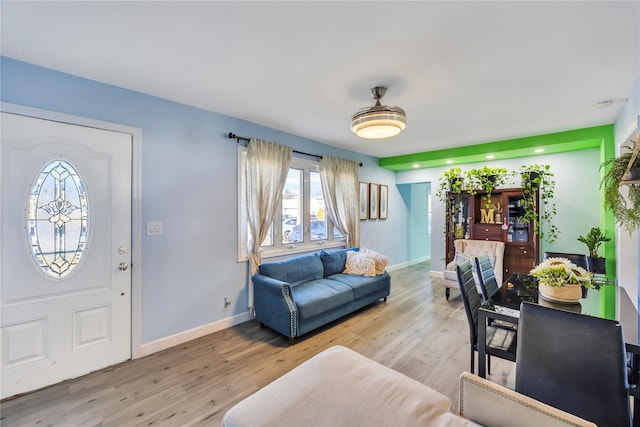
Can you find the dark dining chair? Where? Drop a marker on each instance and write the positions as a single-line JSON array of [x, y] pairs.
[[500, 342], [486, 276], [574, 362], [580, 260]]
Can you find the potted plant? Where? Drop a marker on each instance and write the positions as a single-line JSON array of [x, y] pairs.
[[451, 182], [486, 179], [538, 186], [561, 280], [625, 209], [593, 240]]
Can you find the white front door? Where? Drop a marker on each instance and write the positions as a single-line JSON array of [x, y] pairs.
[[65, 229]]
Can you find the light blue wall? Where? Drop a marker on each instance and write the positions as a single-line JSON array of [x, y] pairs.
[[415, 198], [189, 183], [576, 198]]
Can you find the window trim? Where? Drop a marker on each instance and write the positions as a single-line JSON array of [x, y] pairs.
[[278, 248]]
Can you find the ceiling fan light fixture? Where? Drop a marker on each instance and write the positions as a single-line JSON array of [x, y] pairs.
[[379, 121]]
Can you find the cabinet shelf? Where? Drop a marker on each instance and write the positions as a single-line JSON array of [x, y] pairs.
[[465, 215]]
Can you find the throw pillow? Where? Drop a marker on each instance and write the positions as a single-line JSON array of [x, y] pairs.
[[360, 263], [334, 261], [380, 260]]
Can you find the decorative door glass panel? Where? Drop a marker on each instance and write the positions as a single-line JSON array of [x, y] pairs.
[[58, 219]]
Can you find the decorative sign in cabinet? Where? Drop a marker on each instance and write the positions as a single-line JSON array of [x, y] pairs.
[[498, 218]]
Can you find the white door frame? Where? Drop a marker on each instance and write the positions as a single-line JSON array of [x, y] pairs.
[[136, 203]]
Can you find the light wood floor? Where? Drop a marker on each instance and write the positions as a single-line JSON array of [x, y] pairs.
[[416, 332]]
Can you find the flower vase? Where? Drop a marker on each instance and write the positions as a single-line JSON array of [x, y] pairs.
[[566, 293]]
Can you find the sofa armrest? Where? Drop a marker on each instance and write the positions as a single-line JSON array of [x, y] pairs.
[[269, 285], [493, 405], [274, 305]]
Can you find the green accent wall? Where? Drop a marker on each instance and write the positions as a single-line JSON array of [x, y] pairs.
[[607, 219], [551, 143], [607, 301]]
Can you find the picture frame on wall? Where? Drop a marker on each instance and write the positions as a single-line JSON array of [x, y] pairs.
[[373, 201], [383, 202], [364, 200]]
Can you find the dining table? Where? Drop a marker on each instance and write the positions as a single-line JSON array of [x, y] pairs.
[[607, 300]]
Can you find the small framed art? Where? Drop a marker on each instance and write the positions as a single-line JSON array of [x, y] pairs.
[[383, 201], [364, 200], [373, 201]]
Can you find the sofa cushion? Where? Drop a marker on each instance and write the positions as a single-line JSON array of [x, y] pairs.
[[361, 286], [334, 260], [360, 264], [320, 296], [294, 270]]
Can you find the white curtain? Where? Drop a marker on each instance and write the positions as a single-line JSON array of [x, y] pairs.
[[339, 178], [266, 170]]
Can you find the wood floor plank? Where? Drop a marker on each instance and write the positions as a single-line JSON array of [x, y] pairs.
[[416, 332]]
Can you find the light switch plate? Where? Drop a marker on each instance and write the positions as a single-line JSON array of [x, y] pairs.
[[154, 228]]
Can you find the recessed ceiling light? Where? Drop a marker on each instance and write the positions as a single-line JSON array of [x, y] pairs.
[[539, 150], [449, 161], [490, 156]]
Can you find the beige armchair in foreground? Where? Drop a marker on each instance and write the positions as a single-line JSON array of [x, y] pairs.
[[339, 387], [492, 405], [466, 250]]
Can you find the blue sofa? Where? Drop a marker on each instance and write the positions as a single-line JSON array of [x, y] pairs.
[[302, 293]]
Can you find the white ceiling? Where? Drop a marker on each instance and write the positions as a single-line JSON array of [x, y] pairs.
[[465, 72]]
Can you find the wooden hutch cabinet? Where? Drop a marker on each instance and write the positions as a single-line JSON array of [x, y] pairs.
[[469, 217]]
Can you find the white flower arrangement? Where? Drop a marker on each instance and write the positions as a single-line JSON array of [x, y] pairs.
[[560, 272]]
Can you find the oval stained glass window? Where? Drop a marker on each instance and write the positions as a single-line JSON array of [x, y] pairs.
[[58, 218]]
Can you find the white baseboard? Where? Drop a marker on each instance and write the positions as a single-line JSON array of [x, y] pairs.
[[408, 263], [437, 274], [182, 337]]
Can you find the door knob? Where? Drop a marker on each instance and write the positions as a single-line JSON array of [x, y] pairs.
[[123, 266]]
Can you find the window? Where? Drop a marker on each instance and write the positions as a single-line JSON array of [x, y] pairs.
[[300, 224], [58, 219], [292, 206]]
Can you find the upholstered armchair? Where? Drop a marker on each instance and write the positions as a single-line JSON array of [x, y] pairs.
[[466, 250]]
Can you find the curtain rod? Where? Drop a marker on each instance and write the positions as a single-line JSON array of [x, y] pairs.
[[232, 135]]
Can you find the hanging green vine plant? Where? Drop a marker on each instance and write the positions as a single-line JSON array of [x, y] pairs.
[[625, 208], [451, 182], [486, 179], [538, 182]]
